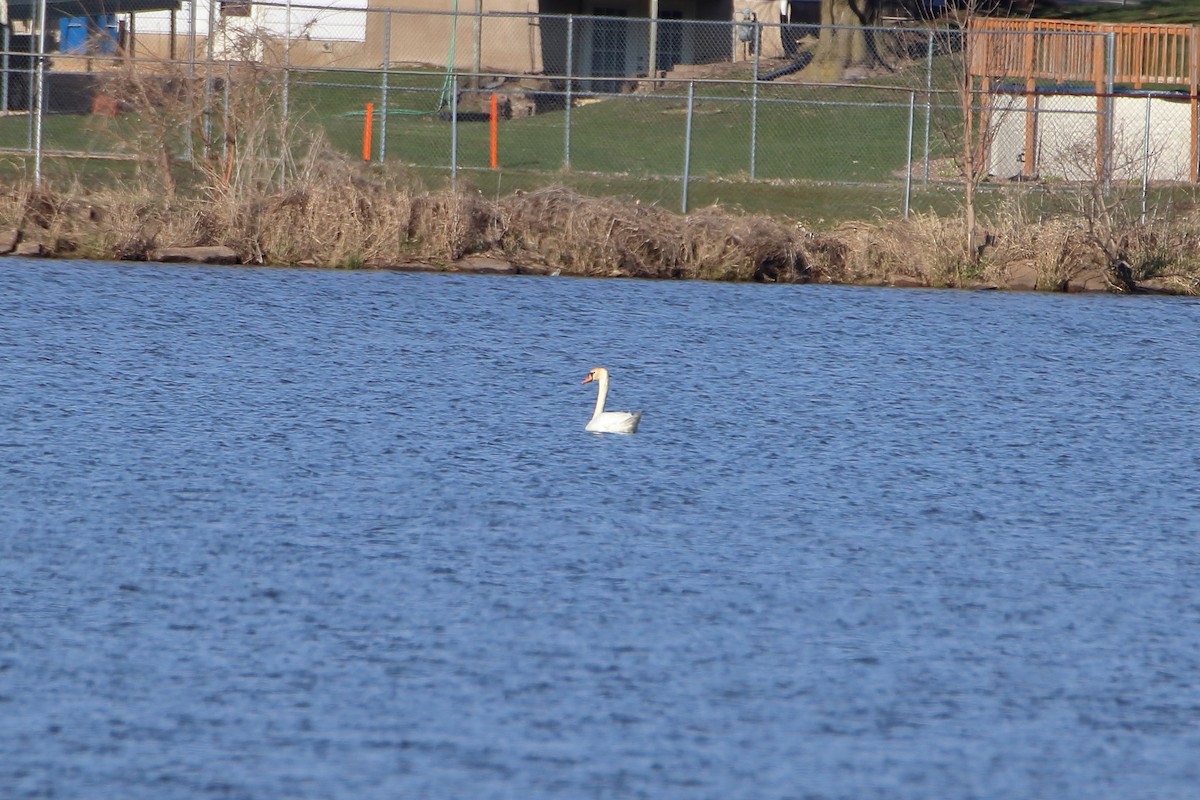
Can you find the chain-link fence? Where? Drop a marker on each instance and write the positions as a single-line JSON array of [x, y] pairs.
[[729, 106]]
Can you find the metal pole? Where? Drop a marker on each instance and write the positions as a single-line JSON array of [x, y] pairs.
[[383, 100], [912, 109], [41, 92], [210, 44], [567, 98], [652, 58], [475, 60], [30, 87], [754, 103], [287, 62], [454, 134], [928, 101], [757, 46], [4, 86], [687, 144], [192, 38], [225, 116], [287, 95], [1146, 158], [188, 145], [1110, 51]]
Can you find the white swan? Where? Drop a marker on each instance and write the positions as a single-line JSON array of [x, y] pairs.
[[609, 421]]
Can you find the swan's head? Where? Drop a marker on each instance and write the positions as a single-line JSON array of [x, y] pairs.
[[596, 374]]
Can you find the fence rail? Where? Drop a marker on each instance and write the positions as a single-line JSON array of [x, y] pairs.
[[1142, 54]]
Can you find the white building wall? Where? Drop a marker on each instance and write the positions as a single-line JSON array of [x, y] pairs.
[[335, 20], [1066, 138]]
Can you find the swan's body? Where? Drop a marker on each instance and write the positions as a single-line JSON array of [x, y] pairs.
[[609, 421]]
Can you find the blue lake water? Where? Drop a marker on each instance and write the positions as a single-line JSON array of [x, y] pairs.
[[304, 534]]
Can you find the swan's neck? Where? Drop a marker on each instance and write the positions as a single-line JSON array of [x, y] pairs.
[[601, 394]]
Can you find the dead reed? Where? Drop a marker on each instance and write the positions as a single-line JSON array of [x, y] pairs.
[[604, 236], [334, 212]]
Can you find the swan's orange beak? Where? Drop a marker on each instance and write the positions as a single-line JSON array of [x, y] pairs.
[[587, 379]]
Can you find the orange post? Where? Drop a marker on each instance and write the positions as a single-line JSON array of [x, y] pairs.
[[494, 128], [366, 151]]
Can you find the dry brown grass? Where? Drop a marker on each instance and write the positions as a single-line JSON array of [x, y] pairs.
[[1057, 248], [603, 236], [924, 247], [334, 212]]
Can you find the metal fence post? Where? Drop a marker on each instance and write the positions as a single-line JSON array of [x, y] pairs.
[[912, 108], [4, 83], [188, 144], [567, 97], [754, 103], [454, 133], [287, 81], [30, 89], [1146, 158], [477, 56], [383, 100], [208, 77], [1110, 47], [687, 144], [928, 101], [41, 92], [225, 115]]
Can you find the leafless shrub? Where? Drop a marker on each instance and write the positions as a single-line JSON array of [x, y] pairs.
[[330, 213], [164, 104], [225, 119], [1166, 248], [1057, 247]]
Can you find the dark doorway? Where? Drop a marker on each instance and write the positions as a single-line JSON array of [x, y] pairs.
[[608, 48], [670, 40]]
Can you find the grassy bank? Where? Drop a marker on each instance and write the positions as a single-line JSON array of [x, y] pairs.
[[816, 152], [1153, 11], [336, 213]]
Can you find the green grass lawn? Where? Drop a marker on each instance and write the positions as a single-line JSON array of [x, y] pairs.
[[1153, 11], [803, 150], [791, 133]]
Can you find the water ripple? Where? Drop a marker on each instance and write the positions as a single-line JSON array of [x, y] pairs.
[[341, 535]]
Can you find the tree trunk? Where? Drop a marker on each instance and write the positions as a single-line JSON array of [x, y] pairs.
[[846, 40]]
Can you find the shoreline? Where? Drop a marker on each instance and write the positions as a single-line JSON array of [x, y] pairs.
[[1086, 282], [348, 222]]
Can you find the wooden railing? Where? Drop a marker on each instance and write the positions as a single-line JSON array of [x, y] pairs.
[[1029, 51], [1075, 51]]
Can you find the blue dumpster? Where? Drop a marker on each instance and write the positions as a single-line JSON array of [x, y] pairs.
[[82, 36]]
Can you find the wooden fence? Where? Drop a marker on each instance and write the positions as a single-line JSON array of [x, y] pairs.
[[1102, 56]]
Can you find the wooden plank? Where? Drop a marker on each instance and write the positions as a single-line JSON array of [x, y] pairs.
[[1193, 88], [1027, 166], [1144, 53], [1098, 42]]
